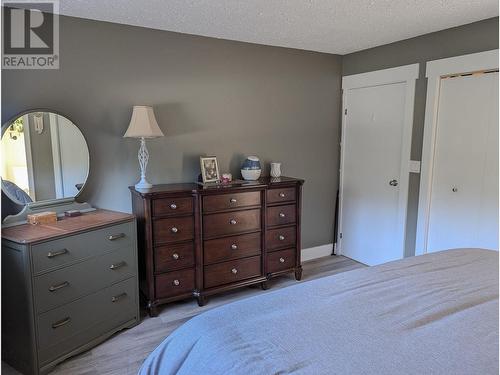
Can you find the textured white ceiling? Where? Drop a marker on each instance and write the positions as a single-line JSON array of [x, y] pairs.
[[334, 26]]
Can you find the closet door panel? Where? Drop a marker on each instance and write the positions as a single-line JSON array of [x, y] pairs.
[[459, 206]]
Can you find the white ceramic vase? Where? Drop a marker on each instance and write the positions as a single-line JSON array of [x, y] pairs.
[[275, 170]]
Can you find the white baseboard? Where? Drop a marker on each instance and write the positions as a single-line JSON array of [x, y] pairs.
[[316, 252]]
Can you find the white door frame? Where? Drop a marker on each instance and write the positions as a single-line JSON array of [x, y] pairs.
[[435, 70], [401, 74], [29, 157]]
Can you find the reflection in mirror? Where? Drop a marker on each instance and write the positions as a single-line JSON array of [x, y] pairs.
[[44, 156]]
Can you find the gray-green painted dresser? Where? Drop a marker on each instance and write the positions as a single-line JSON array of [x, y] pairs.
[[66, 287]]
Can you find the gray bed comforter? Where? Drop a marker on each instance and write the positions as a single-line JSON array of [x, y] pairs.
[[431, 314]]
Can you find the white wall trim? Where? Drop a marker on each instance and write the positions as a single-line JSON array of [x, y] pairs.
[[435, 70], [316, 252], [403, 73], [407, 74]]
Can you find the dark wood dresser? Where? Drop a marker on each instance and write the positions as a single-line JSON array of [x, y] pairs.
[[199, 241]]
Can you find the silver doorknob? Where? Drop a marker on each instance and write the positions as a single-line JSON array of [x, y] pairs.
[[454, 189], [393, 182]]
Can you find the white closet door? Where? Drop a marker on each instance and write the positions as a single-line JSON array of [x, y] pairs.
[[464, 198]]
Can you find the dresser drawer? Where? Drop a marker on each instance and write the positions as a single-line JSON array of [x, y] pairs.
[[67, 284], [173, 229], [174, 283], [281, 215], [63, 329], [280, 238], [231, 271], [228, 201], [233, 247], [174, 257], [227, 223], [281, 195], [172, 206], [52, 254], [280, 260]]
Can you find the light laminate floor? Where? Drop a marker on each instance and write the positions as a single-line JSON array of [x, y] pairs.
[[124, 352]]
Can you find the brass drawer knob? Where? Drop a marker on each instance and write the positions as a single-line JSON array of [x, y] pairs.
[[53, 288], [115, 266], [282, 214], [281, 237], [173, 206], [175, 256], [282, 260], [176, 282], [61, 322], [118, 297], [174, 230], [232, 222], [234, 271], [232, 200], [52, 254], [234, 246], [282, 195]]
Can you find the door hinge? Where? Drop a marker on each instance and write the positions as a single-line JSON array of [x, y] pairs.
[[340, 235], [345, 111]]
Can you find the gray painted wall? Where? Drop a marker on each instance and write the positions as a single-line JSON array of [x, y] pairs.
[[471, 38], [210, 97]]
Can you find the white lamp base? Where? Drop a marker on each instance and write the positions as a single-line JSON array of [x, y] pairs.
[[143, 184], [143, 157]]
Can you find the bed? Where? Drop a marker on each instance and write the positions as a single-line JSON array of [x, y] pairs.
[[431, 314]]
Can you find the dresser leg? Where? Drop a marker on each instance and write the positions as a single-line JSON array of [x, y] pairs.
[[202, 301], [264, 285], [298, 273], [152, 310]]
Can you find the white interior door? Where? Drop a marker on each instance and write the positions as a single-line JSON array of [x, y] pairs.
[[374, 172], [463, 208]]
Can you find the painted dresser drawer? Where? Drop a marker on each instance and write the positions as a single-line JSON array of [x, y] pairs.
[[233, 247], [63, 329], [280, 260], [281, 238], [172, 206], [173, 229], [64, 285], [281, 215], [65, 251], [227, 223], [232, 271], [222, 202], [174, 257], [281, 195]]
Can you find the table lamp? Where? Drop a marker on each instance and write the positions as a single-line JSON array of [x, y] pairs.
[[143, 125]]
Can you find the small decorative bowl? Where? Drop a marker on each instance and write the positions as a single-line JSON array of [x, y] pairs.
[[250, 174]]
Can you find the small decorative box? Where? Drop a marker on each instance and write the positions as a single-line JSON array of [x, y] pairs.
[[42, 218]]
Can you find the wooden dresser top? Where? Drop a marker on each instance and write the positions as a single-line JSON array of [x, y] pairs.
[[27, 233]]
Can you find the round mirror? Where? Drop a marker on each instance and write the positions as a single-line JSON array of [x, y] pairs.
[[44, 157]]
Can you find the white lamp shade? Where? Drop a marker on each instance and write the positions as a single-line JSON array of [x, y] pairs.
[[143, 123]]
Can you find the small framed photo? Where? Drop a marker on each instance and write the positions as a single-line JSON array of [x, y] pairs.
[[209, 169]]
